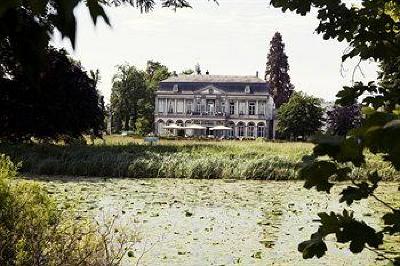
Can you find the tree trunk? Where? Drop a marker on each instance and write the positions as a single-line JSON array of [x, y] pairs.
[[126, 126], [134, 117]]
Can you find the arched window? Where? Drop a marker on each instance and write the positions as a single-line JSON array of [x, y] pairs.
[[180, 132], [261, 130], [160, 127], [250, 129], [240, 129], [231, 133]]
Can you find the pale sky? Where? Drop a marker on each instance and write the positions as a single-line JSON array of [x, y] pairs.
[[231, 38]]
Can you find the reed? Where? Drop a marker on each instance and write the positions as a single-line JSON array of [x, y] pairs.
[[127, 157]]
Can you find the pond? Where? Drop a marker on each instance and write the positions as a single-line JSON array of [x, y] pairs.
[[220, 222]]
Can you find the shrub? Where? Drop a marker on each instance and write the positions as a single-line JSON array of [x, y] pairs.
[[257, 169], [33, 231], [144, 168]]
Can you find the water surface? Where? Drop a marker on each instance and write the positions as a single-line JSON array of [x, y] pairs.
[[220, 222]]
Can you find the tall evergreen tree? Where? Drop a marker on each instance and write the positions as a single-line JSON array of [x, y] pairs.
[[276, 72]]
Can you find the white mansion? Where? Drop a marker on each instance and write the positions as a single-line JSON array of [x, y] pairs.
[[242, 103]]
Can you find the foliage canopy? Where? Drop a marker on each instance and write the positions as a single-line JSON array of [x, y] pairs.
[[133, 95], [341, 119], [300, 116], [63, 102], [372, 30]]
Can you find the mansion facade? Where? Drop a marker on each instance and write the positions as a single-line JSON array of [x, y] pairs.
[[242, 103]]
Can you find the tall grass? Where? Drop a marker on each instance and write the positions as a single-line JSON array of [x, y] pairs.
[[170, 159]]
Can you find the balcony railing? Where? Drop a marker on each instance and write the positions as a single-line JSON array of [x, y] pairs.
[[217, 115]]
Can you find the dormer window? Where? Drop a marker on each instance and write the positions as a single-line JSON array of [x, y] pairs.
[[247, 89], [175, 88]]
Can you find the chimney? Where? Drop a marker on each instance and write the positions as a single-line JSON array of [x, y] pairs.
[[207, 73], [256, 74]]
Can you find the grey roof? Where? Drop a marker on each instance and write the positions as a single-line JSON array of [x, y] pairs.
[[231, 84], [214, 78]]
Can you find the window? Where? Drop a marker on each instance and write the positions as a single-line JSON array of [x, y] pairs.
[[242, 108], [261, 108], [198, 106], [210, 106], [232, 108], [250, 130], [179, 106], [260, 130], [171, 106], [231, 133], [252, 108], [241, 130], [189, 105], [161, 105]]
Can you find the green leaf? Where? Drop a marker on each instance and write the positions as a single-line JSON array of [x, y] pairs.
[[393, 221], [340, 149], [64, 19], [38, 6], [351, 193], [329, 223], [374, 177], [317, 175], [314, 247], [7, 4], [357, 233], [96, 10], [342, 174]]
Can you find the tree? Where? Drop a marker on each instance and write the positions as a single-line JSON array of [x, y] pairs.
[[342, 119], [26, 26], [133, 95], [95, 75], [155, 72], [276, 72], [300, 116], [63, 103], [127, 89], [372, 31]]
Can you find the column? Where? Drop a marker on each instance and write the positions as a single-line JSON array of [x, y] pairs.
[[257, 107], [237, 107], [266, 109], [247, 108], [166, 106], [236, 131], [184, 106], [175, 107], [156, 107]]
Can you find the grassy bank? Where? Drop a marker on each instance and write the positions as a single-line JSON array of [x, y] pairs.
[[119, 157]]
